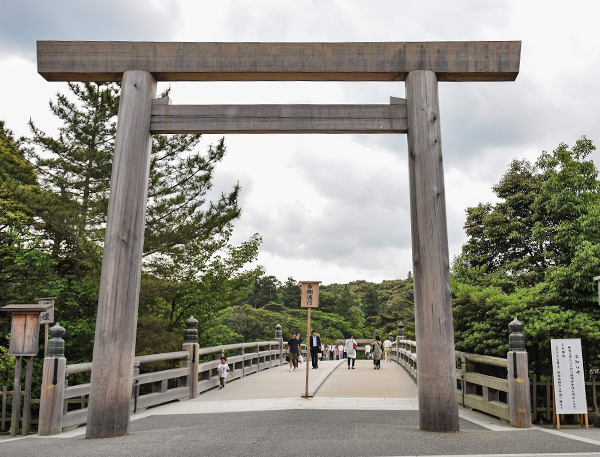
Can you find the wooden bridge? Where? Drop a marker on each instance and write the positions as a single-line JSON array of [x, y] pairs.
[[176, 406], [261, 378]]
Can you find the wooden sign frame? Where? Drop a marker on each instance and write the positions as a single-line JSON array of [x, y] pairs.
[[310, 294]]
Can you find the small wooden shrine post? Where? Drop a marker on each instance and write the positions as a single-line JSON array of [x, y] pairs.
[[310, 299], [24, 342]]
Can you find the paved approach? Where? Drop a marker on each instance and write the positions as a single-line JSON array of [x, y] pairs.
[[361, 412]]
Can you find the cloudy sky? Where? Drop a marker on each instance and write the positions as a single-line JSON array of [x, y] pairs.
[[335, 207]]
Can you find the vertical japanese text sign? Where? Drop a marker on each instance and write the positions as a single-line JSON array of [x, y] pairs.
[[569, 385], [310, 294]]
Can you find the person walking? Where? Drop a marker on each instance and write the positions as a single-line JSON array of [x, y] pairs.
[[341, 351], [377, 353], [331, 351], [350, 348], [315, 346], [322, 350], [387, 347], [293, 347], [335, 351], [222, 370], [368, 351]]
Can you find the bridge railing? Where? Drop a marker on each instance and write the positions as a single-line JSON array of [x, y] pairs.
[[507, 397], [154, 387]]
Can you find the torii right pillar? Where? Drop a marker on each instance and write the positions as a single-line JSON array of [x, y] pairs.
[[436, 373]]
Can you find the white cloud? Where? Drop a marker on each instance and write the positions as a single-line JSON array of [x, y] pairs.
[[335, 208]]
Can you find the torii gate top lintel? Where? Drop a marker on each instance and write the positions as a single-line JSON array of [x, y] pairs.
[[188, 61]]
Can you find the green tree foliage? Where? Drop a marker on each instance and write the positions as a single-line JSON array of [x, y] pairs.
[[534, 255], [291, 293], [265, 290]]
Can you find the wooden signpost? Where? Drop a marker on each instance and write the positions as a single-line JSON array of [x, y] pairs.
[[24, 342], [568, 383], [310, 299], [46, 317]]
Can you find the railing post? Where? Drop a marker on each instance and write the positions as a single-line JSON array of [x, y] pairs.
[[399, 338], [190, 344], [279, 337], [53, 384], [519, 402], [241, 352]]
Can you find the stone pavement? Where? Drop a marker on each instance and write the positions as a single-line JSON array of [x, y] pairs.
[[326, 433], [361, 412]]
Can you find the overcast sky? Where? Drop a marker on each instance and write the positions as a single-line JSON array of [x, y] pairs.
[[335, 207]]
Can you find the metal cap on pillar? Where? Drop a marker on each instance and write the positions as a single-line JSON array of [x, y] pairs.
[[516, 339], [401, 330], [278, 331], [191, 333], [56, 345], [390, 336]]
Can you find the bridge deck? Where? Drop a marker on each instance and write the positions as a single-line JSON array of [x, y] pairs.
[[391, 381]]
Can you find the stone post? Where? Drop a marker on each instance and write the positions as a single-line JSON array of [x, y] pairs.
[[279, 337], [519, 402], [190, 344], [53, 384]]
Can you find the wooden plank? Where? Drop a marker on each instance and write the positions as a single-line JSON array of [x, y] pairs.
[[116, 321], [52, 397], [485, 359], [77, 391], [4, 395], [438, 410], [79, 368], [177, 61], [279, 118], [161, 357], [487, 381], [77, 417], [494, 408], [16, 398], [158, 398], [27, 397]]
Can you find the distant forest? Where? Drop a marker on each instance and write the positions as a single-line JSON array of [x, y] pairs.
[[532, 254]]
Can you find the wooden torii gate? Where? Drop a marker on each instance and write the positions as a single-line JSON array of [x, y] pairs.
[[139, 65]]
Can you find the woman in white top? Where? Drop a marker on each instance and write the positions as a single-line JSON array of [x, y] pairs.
[[350, 347], [341, 351]]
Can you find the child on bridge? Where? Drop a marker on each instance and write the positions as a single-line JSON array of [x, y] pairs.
[[222, 369]]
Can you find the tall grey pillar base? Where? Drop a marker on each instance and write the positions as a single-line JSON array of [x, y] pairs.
[[436, 378], [114, 344]]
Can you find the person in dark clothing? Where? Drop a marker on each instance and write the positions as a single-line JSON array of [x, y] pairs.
[[293, 347], [315, 346]]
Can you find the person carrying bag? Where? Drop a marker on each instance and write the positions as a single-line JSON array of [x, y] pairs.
[[350, 347]]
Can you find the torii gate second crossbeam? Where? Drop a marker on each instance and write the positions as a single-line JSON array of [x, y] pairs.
[[139, 65]]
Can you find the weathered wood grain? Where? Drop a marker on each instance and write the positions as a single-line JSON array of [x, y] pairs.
[[114, 345], [24, 331], [438, 410], [279, 118], [27, 397], [519, 400], [177, 61], [16, 398], [52, 397]]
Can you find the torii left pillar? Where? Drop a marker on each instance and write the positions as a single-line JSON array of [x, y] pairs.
[[114, 345]]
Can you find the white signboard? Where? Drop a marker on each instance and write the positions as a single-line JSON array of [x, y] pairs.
[[569, 385], [47, 317]]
